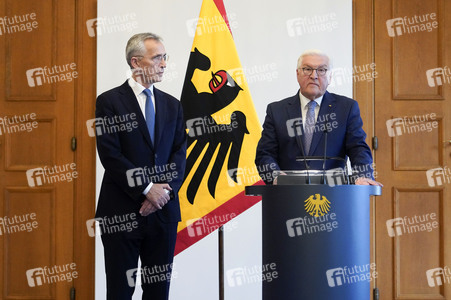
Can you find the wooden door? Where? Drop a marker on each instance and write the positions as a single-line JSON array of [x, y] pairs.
[[409, 41], [41, 225]]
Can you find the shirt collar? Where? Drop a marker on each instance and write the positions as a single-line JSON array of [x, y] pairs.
[[137, 87], [305, 100]]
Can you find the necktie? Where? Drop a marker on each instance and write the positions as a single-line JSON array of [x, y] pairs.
[[309, 127], [150, 114]]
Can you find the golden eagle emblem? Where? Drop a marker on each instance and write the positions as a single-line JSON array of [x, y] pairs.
[[318, 206]]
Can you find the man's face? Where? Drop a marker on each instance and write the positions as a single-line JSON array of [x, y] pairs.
[[149, 67], [314, 85]]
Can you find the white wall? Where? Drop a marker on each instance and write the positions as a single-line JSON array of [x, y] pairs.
[[268, 42]]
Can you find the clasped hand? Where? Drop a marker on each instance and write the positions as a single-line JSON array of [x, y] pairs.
[[156, 198]]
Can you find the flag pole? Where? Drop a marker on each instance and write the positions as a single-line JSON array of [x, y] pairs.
[[221, 262]]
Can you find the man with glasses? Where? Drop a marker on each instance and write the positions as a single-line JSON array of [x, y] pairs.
[[302, 125], [138, 208]]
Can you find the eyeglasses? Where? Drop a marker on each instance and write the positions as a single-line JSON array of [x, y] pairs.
[[308, 71], [157, 59]]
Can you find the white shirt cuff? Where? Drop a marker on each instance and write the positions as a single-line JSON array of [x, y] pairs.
[[147, 188]]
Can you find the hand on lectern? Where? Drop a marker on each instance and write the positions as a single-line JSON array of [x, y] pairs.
[[367, 181], [275, 179]]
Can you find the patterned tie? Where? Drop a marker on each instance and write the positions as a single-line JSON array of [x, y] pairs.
[[150, 114], [309, 127]]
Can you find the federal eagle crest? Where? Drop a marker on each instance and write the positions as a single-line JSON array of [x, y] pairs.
[[317, 205]]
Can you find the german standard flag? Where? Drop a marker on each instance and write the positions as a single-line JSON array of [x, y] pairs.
[[223, 131]]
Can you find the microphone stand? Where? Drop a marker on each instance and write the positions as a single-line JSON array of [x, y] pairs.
[[307, 167], [325, 157]]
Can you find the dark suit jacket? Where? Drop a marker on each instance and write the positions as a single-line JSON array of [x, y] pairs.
[[278, 148], [125, 150]]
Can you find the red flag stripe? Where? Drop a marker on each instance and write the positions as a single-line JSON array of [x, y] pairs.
[[236, 205], [222, 11]]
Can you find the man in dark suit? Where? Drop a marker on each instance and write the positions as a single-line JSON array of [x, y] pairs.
[[299, 125], [143, 151]]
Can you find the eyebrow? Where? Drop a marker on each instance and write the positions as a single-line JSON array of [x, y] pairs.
[[320, 66]]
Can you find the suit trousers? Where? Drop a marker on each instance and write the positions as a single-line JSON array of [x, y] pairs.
[[153, 241]]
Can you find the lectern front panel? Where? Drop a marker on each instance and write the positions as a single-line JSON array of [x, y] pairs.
[[318, 237]]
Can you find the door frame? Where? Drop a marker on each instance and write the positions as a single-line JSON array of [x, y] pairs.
[[85, 154], [363, 91]]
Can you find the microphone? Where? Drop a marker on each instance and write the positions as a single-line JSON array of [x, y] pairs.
[[304, 158], [325, 157]]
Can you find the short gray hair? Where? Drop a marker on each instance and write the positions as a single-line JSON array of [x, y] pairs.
[[313, 52], [135, 45]]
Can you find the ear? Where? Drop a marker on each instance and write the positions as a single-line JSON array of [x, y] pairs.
[[135, 62]]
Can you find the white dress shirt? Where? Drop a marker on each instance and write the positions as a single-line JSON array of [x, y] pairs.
[[304, 107], [138, 91]]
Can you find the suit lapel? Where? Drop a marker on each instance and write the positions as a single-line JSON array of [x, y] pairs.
[[130, 102], [327, 107], [294, 112], [161, 114]]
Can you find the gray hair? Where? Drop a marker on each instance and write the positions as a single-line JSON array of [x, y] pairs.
[[135, 45], [314, 52]]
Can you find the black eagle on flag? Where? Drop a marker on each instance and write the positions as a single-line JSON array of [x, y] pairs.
[[204, 131]]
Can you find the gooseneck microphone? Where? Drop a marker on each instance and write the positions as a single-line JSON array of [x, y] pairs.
[[304, 158], [325, 157]]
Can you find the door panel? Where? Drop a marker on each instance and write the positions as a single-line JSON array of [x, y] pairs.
[[411, 122], [41, 109]]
